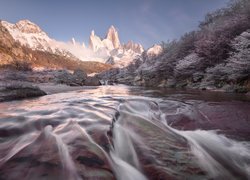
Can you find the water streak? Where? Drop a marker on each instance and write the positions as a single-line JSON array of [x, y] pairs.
[[126, 133]]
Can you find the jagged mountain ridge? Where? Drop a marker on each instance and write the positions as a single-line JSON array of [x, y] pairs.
[[32, 36], [117, 54]]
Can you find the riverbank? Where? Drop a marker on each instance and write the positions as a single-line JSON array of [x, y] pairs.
[[15, 85], [16, 90]]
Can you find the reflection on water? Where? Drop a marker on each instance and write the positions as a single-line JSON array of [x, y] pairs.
[[121, 132]]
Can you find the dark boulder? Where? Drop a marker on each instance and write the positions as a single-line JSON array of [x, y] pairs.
[[92, 81], [19, 91], [78, 78], [63, 77]]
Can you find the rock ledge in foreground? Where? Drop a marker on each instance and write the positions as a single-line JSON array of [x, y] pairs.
[[18, 91]]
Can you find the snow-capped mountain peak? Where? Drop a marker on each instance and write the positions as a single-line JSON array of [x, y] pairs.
[[31, 35], [27, 26], [113, 36], [28, 34], [117, 54]]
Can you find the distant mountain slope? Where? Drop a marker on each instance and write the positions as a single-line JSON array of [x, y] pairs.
[[12, 51], [30, 35]]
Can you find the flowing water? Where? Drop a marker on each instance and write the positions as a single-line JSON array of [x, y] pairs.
[[126, 133]]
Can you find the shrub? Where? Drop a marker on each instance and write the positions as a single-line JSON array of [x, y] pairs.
[[219, 28]]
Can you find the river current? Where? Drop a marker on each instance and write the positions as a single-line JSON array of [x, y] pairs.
[[126, 133]]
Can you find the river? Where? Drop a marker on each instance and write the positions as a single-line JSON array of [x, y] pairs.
[[126, 133]]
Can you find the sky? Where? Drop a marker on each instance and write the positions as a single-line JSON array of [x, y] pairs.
[[143, 21]]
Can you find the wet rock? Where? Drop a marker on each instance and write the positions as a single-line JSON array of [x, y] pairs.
[[162, 155], [215, 116], [90, 161], [19, 91]]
